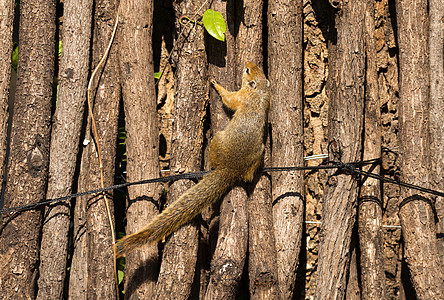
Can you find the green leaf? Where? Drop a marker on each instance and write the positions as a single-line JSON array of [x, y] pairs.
[[157, 75], [14, 59], [214, 23], [60, 48], [120, 275]]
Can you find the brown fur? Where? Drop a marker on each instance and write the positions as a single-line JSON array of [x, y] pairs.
[[235, 154]]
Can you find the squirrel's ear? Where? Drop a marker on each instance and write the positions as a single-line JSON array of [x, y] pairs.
[[247, 70], [252, 84], [268, 83]]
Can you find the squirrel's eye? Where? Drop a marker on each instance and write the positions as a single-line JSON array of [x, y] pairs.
[[252, 84], [246, 70]]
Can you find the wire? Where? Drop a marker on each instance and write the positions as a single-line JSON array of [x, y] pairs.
[[350, 168], [96, 191]]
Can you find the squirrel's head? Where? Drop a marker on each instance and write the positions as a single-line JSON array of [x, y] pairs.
[[254, 78]]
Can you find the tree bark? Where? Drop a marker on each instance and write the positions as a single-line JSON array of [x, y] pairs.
[[436, 110], [6, 25], [346, 88], [370, 203], [142, 140], [92, 270], [285, 74], [353, 291], [78, 274], [180, 253], [416, 213], [316, 105], [73, 79], [263, 275], [228, 260], [28, 164], [101, 281]]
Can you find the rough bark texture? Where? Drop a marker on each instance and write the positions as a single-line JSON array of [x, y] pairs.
[[346, 80], [101, 281], [262, 271], [370, 204], [353, 289], [29, 156], [6, 20], [180, 253], [78, 273], [417, 217], [316, 105], [92, 271], [249, 43], [285, 74], [436, 109], [228, 260], [387, 66], [142, 139], [73, 79], [262, 250], [226, 61]]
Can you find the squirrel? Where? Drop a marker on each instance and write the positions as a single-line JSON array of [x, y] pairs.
[[234, 155]]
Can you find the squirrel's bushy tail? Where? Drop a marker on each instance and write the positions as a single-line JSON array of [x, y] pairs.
[[209, 189]]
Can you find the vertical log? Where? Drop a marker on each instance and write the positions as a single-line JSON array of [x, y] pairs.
[[387, 55], [316, 103], [436, 110], [100, 281], [92, 269], [142, 139], [6, 25], [263, 276], [73, 78], [370, 203], [416, 213], [353, 291], [346, 89], [285, 73], [29, 156], [228, 260], [78, 274], [191, 96]]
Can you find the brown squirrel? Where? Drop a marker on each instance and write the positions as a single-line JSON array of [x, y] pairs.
[[235, 154]]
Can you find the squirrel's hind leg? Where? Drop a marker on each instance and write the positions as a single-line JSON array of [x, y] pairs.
[[251, 170]]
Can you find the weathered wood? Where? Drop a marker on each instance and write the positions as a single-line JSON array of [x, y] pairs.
[[262, 270], [101, 281], [6, 24], [73, 78], [436, 110], [29, 156], [142, 140], [346, 92], [285, 74], [92, 269], [370, 203], [191, 96], [353, 291], [228, 260], [316, 105], [417, 216]]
